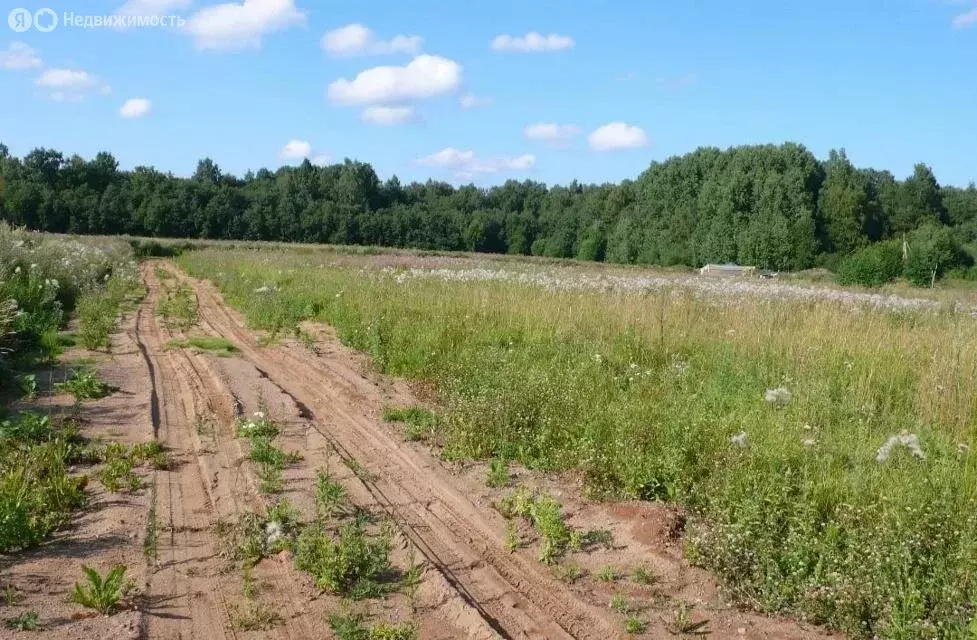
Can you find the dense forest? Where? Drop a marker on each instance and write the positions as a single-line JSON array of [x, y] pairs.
[[777, 207]]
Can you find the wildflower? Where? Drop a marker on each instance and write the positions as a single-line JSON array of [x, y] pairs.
[[260, 415], [17, 270], [904, 439], [273, 533], [808, 442], [264, 289], [779, 396], [963, 448], [740, 440]]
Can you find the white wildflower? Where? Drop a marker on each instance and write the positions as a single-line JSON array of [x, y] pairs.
[[264, 289], [17, 270], [963, 448], [260, 415], [740, 440], [779, 396], [905, 439], [273, 533], [809, 442]]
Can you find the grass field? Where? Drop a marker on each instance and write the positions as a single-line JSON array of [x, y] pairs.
[[823, 450]]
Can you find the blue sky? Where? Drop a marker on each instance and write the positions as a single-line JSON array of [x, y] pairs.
[[605, 88]]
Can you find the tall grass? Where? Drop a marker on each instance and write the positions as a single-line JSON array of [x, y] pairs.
[[662, 396]]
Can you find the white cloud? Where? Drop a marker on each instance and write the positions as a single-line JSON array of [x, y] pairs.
[[388, 116], [135, 108], [296, 150], [466, 164], [152, 7], [357, 40], [617, 135], [471, 101], [19, 56], [966, 19], [551, 133], [234, 26], [532, 42], [425, 76], [70, 85]]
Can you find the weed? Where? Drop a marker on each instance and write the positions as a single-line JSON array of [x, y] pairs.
[[330, 496], [620, 604], [546, 515], [151, 542], [683, 623], [512, 541], [643, 576], [96, 314], [11, 595], [26, 621], [419, 423], [351, 626], [568, 573], [635, 625], [353, 564], [498, 475], [28, 385], [256, 617], [117, 473], [152, 453], [178, 307], [607, 573], [101, 593], [85, 385]]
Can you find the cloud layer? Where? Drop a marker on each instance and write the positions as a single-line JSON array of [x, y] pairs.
[[617, 135], [19, 55], [551, 132], [234, 26], [388, 116], [135, 108], [426, 76], [358, 40], [466, 164], [532, 42]]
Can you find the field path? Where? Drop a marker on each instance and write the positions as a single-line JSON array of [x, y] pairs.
[[513, 595], [188, 595]]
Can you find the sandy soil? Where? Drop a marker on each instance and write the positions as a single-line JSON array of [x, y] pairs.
[[329, 402]]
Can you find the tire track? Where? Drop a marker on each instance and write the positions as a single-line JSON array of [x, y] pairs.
[[511, 593]]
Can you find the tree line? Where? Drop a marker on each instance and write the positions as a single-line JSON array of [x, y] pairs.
[[776, 207]]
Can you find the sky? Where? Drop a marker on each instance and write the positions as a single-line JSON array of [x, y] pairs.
[[482, 92]]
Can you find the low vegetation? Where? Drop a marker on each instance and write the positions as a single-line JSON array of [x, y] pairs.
[[214, 344], [101, 593], [823, 451]]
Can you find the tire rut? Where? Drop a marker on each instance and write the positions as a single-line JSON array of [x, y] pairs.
[[509, 592]]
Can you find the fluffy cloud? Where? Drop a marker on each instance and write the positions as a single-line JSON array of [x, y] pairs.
[[617, 135], [532, 42], [388, 116], [296, 150], [551, 133], [425, 76], [234, 26], [966, 19], [357, 40], [66, 79], [19, 55], [471, 101], [466, 164], [135, 108], [70, 85]]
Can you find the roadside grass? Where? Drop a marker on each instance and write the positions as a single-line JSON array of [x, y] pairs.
[[178, 306], [419, 424], [824, 453], [269, 460], [84, 384], [214, 344]]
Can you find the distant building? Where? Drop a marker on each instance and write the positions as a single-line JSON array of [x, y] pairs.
[[728, 270]]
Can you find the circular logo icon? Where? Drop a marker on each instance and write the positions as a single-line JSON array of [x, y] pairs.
[[45, 20], [20, 20]]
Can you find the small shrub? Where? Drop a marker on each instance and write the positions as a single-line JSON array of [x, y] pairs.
[[101, 594], [330, 496], [635, 625], [607, 573], [352, 564], [419, 423], [96, 315], [872, 266], [256, 617], [643, 576], [85, 385], [620, 604], [27, 621]]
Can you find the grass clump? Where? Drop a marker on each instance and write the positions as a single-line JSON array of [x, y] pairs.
[[331, 497], [350, 563], [419, 423], [271, 461], [102, 594], [256, 617], [26, 621], [352, 626], [178, 307], [85, 385], [546, 515], [498, 474]]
